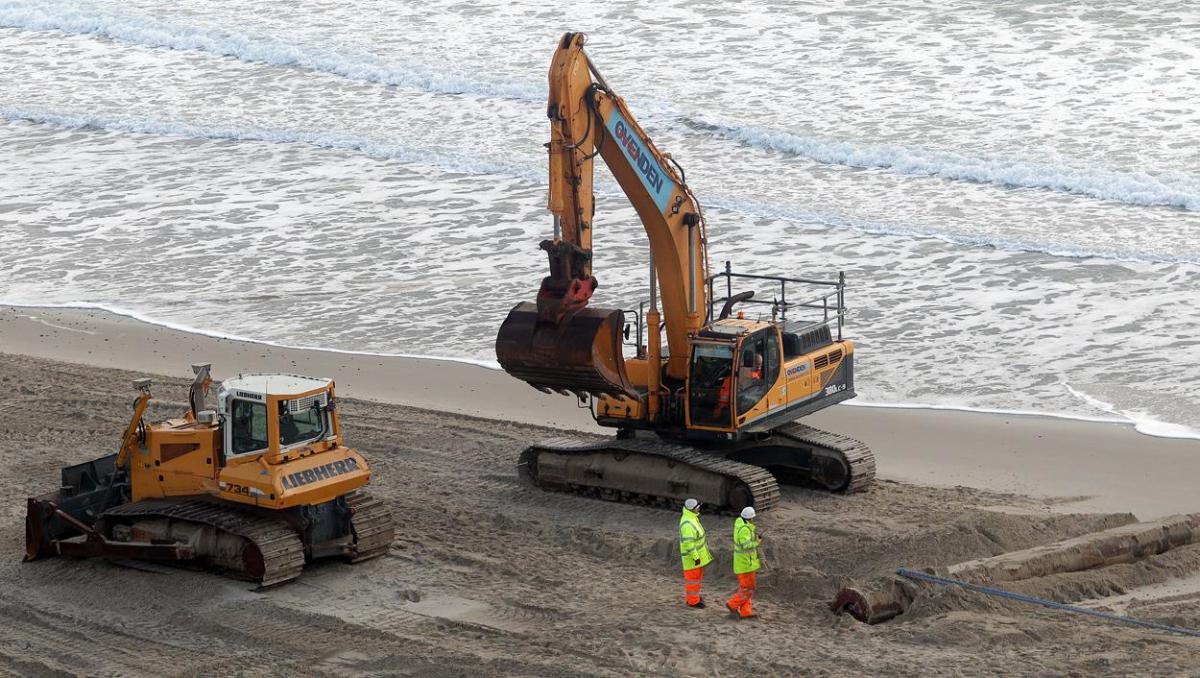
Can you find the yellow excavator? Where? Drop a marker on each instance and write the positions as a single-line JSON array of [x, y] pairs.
[[254, 489], [715, 416]]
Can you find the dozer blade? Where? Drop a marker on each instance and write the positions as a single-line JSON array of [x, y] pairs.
[[72, 510], [581, 354]]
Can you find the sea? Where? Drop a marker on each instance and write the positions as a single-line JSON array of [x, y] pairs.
[[1012, 190]]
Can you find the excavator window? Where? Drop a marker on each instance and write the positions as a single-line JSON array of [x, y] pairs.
[[249, 430], [773, 359], [711, 385], [752, 384]]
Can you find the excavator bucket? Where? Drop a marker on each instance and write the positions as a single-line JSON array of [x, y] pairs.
[[581, 354]]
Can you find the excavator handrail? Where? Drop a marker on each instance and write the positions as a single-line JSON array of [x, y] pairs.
[[780, 304], [753, 276]]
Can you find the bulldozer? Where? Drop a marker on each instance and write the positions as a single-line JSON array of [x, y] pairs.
[[714, 417], [253, 489]]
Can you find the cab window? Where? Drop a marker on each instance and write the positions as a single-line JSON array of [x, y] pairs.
[[752, 383], [301, 426], [249, 426], [771, 373], [710, 384]]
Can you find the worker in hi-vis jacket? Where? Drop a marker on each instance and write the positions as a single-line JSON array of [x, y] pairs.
[[746, 562], [693, 551]]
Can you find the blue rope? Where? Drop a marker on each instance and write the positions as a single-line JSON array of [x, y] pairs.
[[943, 581]]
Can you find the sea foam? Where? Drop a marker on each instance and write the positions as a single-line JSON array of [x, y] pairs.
[[334, 140], [1128, 187], [150, 32], [1133, 188], [469, 164]]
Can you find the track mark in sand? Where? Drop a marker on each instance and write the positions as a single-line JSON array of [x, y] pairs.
[[465, 611], [58, 638], [348, 602]]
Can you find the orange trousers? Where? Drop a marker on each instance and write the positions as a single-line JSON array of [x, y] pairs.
[[691, 584], [740, 602]]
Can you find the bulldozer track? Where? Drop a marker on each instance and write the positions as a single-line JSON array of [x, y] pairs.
[[763, 490], [280, 548], [374, 527], [853, 455]]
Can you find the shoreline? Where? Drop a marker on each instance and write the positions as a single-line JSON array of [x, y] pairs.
[[1076, 465], [1148, 427]]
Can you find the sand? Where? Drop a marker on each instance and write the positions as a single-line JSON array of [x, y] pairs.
[[1076, 465], [490, 576]]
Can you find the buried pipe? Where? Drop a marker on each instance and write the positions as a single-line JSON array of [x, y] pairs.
[[1123, 544], [992, 591]]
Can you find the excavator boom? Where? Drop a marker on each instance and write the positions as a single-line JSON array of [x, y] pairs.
[[559, 343]]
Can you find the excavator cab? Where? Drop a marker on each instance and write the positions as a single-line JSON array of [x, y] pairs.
[[734, 374]]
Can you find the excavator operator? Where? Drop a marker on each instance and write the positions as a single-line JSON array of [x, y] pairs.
[[722, 408]]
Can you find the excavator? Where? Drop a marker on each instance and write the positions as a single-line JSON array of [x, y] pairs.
[[715, 416], [254, 489]]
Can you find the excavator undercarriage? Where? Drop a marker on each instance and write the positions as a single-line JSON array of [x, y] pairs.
[[726, 477]]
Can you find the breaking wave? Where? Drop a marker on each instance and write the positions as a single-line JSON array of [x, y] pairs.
[[1133, 188], [458, 163], [871, 227], [373, 148], [152, 33]]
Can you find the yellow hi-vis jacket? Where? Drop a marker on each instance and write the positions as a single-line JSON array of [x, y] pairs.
[[692, 542], [745, 547]]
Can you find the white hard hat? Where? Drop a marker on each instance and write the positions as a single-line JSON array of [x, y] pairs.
[[691, 504], [748, 513]]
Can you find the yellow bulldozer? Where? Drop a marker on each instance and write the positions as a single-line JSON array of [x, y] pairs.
[[715, 416], [253, 489]]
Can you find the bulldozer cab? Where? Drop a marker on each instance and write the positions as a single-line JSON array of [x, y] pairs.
[[273, 414]]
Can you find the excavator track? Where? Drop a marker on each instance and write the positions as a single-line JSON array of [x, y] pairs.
[[655, 472], [840, 463], [373, 526], [268, 551], [647, 472]]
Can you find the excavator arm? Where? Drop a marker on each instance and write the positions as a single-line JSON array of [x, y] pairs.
[[562, 344]]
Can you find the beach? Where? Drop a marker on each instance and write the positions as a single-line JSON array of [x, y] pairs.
[[488, 575], [997, 204], [1075, 465]]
